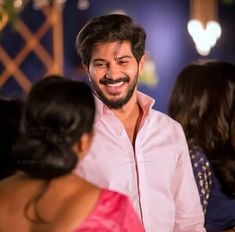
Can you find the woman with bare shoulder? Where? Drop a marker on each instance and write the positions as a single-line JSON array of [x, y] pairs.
[[45, 194]]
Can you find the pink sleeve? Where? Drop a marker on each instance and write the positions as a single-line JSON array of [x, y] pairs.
[[131, 221], [113, 212]]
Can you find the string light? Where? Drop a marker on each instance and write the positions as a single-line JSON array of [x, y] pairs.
[[203, 26], [83, 4]]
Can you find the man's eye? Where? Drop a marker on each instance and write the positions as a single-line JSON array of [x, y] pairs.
[[99, 64], [123, 62]]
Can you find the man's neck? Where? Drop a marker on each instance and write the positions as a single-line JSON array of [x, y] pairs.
[[128, 111], [130, 115]]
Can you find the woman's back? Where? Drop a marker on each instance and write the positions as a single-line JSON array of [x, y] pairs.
[[65, 201], [66, 204]]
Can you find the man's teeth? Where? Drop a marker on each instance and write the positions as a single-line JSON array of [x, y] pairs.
[[115, 84]]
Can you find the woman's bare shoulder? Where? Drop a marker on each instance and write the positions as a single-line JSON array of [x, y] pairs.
[[76, 208]]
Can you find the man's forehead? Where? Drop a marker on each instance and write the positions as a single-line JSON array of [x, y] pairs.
[[116, 49]]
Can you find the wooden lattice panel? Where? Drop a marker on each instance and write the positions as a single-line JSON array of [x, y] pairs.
[[42, 45]]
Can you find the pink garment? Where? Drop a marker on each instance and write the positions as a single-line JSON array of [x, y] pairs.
[[112, 213], [156, 174]]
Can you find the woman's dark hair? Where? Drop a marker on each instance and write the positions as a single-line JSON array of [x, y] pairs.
[[10, 116], [57, 113], [203, 101], [110, 28]]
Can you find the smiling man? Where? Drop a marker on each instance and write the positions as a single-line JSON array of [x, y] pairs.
[[114, 71], [136, 150]]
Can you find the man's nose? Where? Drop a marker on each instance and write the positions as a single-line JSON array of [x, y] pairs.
[[113, 72]]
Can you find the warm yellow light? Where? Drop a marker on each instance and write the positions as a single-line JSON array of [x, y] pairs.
[[18, 3], [3, 18]]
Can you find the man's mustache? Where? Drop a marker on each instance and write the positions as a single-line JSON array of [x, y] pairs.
[[106, 81]]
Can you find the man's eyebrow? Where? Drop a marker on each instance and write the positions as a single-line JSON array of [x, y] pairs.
[[123, 57], [98, 59]]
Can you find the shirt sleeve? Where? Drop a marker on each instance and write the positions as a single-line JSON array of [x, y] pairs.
[[189, 216], [131, 221]]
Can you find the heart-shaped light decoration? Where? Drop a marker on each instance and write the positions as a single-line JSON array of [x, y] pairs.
[[204, 37]]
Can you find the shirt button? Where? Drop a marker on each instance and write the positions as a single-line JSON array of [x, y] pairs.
[[121, 133]]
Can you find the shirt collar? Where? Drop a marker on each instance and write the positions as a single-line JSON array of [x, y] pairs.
[[146, 103]]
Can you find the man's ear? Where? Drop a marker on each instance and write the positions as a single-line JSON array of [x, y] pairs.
[[86, 67], [141, 64]]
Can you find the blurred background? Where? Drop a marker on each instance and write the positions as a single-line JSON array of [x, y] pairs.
[[37, 37]]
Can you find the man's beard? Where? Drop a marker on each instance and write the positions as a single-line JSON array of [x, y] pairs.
[[119, 103]]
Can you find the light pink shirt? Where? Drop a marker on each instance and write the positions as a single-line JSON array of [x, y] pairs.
[[156, 174]]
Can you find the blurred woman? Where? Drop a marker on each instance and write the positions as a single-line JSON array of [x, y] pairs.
[[10, 115], [203, 101], [45, 194]]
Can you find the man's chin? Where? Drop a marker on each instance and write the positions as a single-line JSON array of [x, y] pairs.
[[113, 98], [114, 101], [116, 104]]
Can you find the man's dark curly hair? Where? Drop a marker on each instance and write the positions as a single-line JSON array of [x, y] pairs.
[[110, 28]]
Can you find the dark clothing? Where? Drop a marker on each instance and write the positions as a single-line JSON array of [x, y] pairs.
[[220, 214], [219, 209], [202, 173]]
